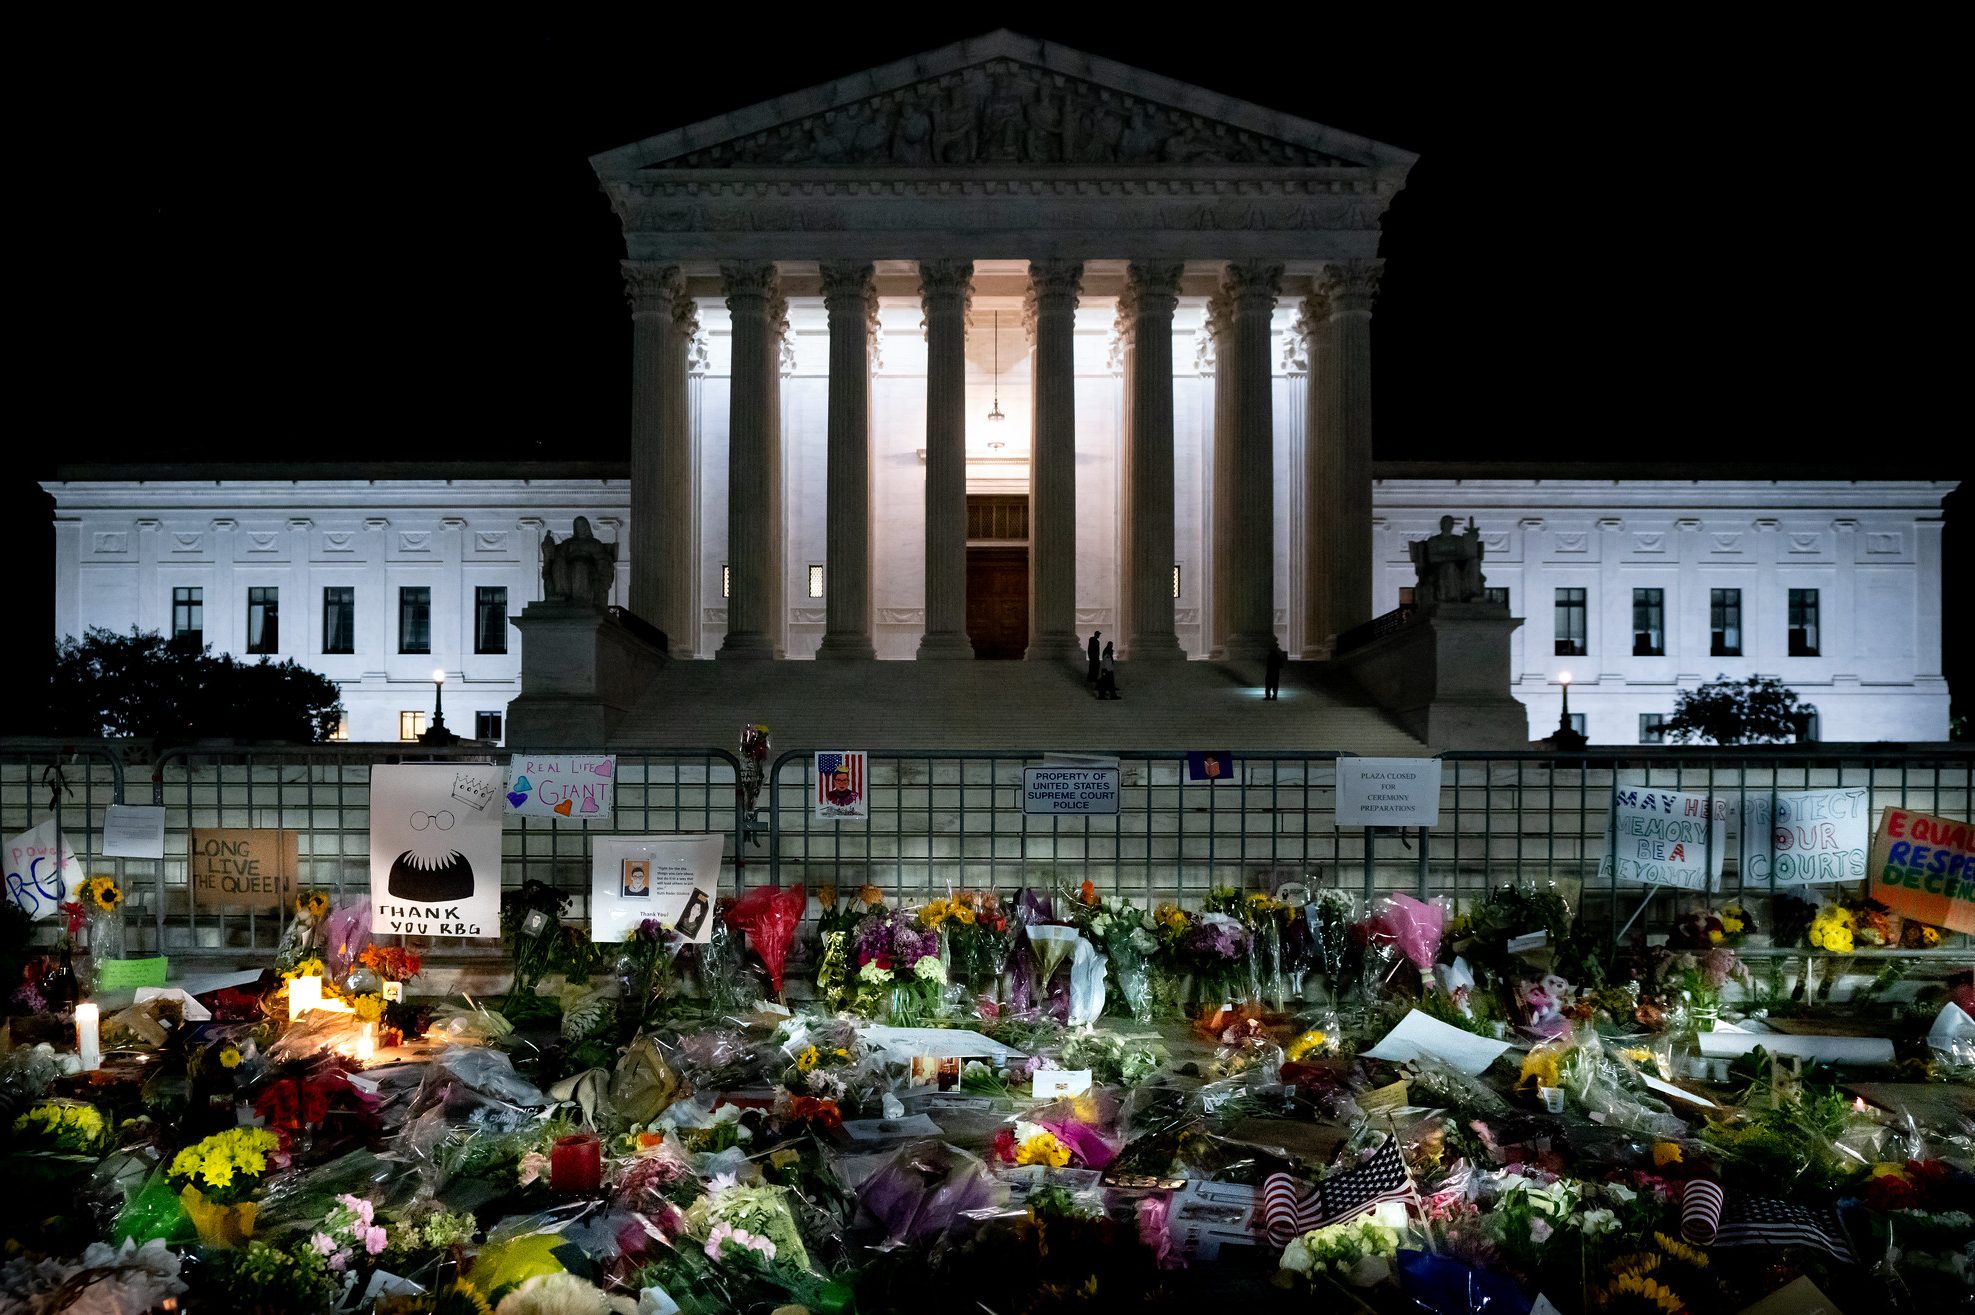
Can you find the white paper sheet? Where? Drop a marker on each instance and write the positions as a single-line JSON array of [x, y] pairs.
[[1419, 1033], [193, 1011], [905, 1042], [133, 831], [1668, 1089], [868, 1130], [1829, 1049]]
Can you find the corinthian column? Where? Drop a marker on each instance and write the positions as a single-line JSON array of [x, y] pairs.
[[945, 287], [752, 457], [663, 321], [851, 299], [1153, 293], [1313, 323], [1341, 482], [1219, 328], [1053, 289], [1251, 288]]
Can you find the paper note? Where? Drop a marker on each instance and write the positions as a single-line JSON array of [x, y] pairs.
[[133, 831], [126, 974], [905, 1042], [673, 880], [1060, 1083], [1668, 1089], [1382, 1099], [916, 1125], [1419, 1033], [189, 1008]]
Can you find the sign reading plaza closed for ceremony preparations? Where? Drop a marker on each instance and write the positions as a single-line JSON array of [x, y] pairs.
[[1056, 791]]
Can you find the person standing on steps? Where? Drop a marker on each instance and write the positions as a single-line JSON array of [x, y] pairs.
[[1276, 660], [1090, 649], [1107, 674]]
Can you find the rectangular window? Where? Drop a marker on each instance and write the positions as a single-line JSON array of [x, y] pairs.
[[1577, 723], [411, 725], [490, 619], [1725, 623], [415, 619], [1652, 728], [1803, 623], [815, 580], [263, 619], [487, 726], [1808, 731], [1176, 579], [1573, 623], [1649, 623], [1491, 594], [1406, 595], [339, 619], [188, 617], [342, 732], [726, 581]]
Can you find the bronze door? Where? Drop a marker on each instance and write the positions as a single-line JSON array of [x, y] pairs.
[[998, 601]]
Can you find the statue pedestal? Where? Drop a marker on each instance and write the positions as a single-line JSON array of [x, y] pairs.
[[1445, 676], [581, 671]]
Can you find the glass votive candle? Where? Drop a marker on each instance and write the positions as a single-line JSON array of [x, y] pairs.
[[576, 1164]]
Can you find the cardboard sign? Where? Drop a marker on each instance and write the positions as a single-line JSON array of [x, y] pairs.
[[1923, 867], [1388, 792], [243, 868], [1053, 791], [41, 869], [562, 785], [674, 879], [1664, 838], [129, 974], [1806, 837], [435, 849], [842, 785]]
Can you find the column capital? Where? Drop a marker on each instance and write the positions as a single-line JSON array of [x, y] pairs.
[[651, 288], [847, 284], [1154, 285], [1351, 285], [941, 280], [1055, 278], [749, 284], [1123, 325], [1252, 285]]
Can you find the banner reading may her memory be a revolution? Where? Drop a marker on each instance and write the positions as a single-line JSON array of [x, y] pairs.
[[1664, 838]]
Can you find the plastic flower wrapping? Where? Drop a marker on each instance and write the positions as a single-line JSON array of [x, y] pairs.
[[770, 918]]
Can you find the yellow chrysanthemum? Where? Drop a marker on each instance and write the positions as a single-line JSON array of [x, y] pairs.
[[1665, 1153], [229, 1057], [1309, 1043], [1043, 1148], [1541, 1067]]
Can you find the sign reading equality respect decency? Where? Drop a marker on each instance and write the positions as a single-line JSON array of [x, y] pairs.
[[1923, 867]]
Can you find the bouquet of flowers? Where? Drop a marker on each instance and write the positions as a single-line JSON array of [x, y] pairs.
[[103, 903], [1112, 1059], [755, 1219], [770, 918], [899, 972], [302, 938], [349, 1231], [1330, 916], [62, 1127], [644, 973], [1167, 963], [1873, 923], [227, 1166], [1216, 947], [1125, 934], [1358, 1251], [754, 767], [1833, 929], [977, 935]]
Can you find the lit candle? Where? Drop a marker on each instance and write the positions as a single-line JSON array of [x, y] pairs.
[[304, 994], [88, 1043], [367, 1043]]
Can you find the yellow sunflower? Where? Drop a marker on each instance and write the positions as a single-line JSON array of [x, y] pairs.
[[807, 1059], [315, 904], [102, 894]]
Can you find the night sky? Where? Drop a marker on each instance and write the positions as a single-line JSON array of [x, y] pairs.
[[1639, 244]]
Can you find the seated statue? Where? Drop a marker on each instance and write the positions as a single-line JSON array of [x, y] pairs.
[[580, 569], [1448, 566]]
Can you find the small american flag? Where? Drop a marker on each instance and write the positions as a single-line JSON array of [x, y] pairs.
[[1764, 1221], [1290, 1207]]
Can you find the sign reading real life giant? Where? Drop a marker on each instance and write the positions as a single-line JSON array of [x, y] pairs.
[[1388, 792], [1923, 867], [1664, 838], [1051, 791], [1805, 837]]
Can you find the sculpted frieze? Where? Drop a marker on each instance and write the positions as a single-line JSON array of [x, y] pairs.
[[1001, 112]]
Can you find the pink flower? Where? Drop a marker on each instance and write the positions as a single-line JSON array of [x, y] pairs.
[[373, 1241], [532, 1166], [1539, 1229], [324, 1244]]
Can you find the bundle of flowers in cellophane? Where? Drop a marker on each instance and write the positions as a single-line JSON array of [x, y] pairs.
[[770, 918], [1114, 1058], [1399, 931], [1125, 934], [826, 1060], [217, 1177], [472, 1117], [753, 769], [920, 1191], [1216, 948], [1080, 1131], [897, 969], [977, 940]]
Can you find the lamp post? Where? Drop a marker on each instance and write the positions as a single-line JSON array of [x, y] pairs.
[[436, 733], [1566, 736]]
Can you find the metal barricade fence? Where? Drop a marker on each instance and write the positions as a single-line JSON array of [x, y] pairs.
[[945, 819], [69, 785]]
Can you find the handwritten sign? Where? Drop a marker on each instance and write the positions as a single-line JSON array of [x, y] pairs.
[[1805, 838], [435, 849], [561, 785], [244, 868], [41, 869], [129, 974], [1923, 867], [1665, 838], [1059, 791], [1388, 791], [672, 879]]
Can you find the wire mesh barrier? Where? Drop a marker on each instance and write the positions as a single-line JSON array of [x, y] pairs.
[[942, 820]]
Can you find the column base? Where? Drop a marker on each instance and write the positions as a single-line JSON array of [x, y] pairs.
[[949, 646], [746, 647], [1156, 648], [1248, 648], [847, 648], [1056, 646]]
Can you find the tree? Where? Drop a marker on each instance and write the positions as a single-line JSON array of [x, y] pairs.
[[1759, 710], [143, 686]]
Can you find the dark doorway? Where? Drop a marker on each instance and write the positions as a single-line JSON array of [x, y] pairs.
[[998, 601]]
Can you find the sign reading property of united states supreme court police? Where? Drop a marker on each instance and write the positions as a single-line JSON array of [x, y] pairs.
[[1388, 792], [1055, 791]]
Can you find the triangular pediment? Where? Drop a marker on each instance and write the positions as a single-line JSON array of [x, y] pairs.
[[1001, 101]]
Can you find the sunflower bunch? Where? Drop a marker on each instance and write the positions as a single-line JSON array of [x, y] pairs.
[[101, 896]]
